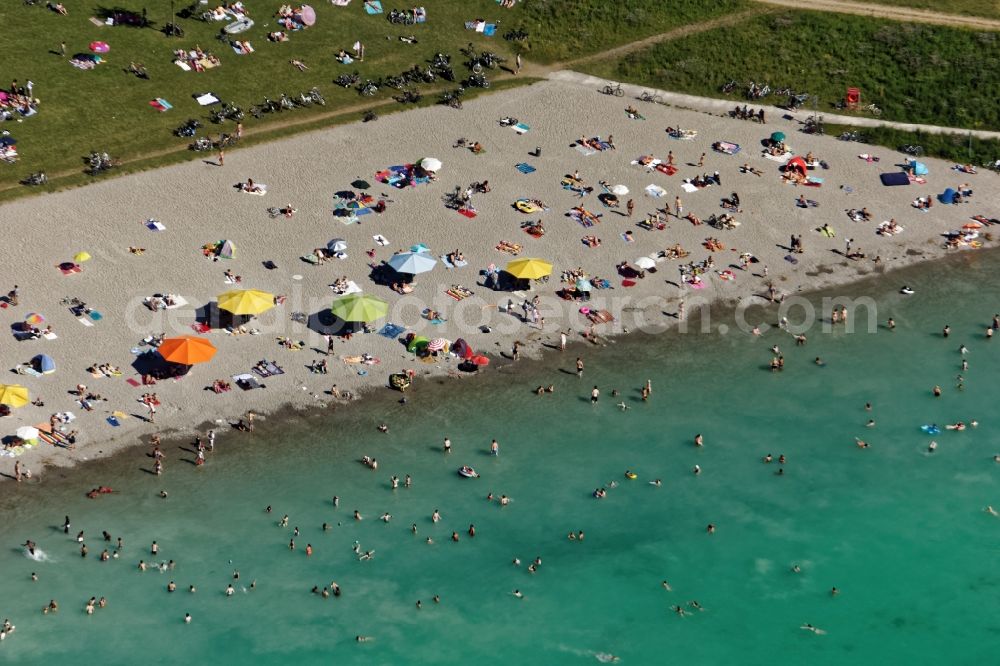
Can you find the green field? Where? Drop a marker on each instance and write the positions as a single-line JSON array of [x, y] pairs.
[[568, 29], [914, 73], [986, 8], [107, 109]]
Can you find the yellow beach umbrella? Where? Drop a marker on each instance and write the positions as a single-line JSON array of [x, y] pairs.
[[13, 395], [81, 257], [246, 301], [529, 269]]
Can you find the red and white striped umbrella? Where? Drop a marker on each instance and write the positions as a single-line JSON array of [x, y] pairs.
[[437, 344]]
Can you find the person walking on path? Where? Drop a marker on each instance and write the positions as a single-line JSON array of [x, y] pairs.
[[222, 157], [517, 64]]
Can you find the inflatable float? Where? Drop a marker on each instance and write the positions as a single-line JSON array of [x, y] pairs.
[[468, 472]]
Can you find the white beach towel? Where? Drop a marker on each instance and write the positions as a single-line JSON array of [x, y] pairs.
[[206, 99], [688, 187], [381, 240]]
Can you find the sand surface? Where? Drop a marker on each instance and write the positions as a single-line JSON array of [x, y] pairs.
[[198, 204]]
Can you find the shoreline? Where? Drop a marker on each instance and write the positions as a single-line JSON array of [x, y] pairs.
[[117, 208]]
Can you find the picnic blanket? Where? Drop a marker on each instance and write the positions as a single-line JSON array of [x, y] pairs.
[[458, 292], [160, 104], [525, 168], [380, 240], [521, 128], [270, 369], [206, 99], [373, 7], [154, 225], [727, 147]]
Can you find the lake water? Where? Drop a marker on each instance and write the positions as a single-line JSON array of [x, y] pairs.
[[901, 532]]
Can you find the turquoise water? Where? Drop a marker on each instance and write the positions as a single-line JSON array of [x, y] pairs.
[[900, 532]]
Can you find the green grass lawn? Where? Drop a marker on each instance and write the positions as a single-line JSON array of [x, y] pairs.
[[567, 29], [107, 109], [915, 73], [987, 8]]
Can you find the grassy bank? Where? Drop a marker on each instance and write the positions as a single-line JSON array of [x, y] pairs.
[[107, 108], [954, 147], [915, 73], [562, 30]]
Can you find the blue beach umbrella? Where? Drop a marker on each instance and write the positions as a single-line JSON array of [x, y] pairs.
[[412, 262]]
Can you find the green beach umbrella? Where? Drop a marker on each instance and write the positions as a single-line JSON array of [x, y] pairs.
[[778, 136], [359, 307]]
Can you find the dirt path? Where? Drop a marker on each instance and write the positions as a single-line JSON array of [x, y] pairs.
[[889, 12]]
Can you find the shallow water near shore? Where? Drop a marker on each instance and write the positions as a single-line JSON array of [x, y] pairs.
[[899, 531]]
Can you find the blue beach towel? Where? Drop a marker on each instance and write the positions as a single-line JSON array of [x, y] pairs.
[[373, 6], [490, 30], [391, 331], [525, 168]]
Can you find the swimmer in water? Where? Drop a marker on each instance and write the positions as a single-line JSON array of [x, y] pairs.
[[363, 639], [932, 447], [656, 482], [796, 568], [699, 440], [815, 630], [870, 424], [666, 586], [518, 594], [862, 444], [622, 406], [696, 470], [990, 510]]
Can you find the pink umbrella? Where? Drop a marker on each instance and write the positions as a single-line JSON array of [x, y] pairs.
[[34, 319], [308, 15], [99, 47], [437, 344]]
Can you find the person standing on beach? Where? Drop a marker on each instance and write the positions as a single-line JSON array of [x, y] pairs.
[[701, 161], [630, 207], [495, 448], [562, 341], [579, 367], [517, 64], [250, 417], [595, 395], [678, 207], [222, 157]]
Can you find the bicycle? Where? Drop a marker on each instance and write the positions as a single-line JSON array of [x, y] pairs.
[[912, 150], [729, 87], [655, 98], [615, 90], [875, 111]]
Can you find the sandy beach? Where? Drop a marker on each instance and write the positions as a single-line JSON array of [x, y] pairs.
[[198, 204]]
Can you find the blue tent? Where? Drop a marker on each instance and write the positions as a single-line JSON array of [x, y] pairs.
[[919, 168], [947, 197], [44, 364]]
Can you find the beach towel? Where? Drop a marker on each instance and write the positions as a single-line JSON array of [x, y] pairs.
[[689, 187], [525, 168], [381, 240], [247, 381], [340, 3], [373, 7], [777, 158], [790, 259], [160, 104], [183, 65], [727, 147], [586, 151], [655, 191], [667, 169], [894, 178], [458, 292], [96, 21], [392, 331], [448, 264], [153, 225], [627, 238], [489, 29], [521, 128], [467, 212]]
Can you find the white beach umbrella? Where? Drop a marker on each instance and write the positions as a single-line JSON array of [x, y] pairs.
[[645, 263], [337, 245], [27, 433], [430, 164], [655, 191], [619, 189]]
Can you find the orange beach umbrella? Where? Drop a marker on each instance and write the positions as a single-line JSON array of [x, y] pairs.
[[187, 350]]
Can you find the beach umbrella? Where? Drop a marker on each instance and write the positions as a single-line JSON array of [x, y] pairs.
[[416, 343], [412, 262], [308, 15], [44, 364], [187, 350], [619, 190], [430, 164], [246, 301], [645, 263], [582, 285], [99, 47], [27, 433], [225, 250], [359, 307], [361, 184], [34, 319], [437, 344], [480, 360], [778, 136], [337, 245], [13, 395], [919, 168], [461, 349], [655, 191], [81, 257], [529, 269]]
